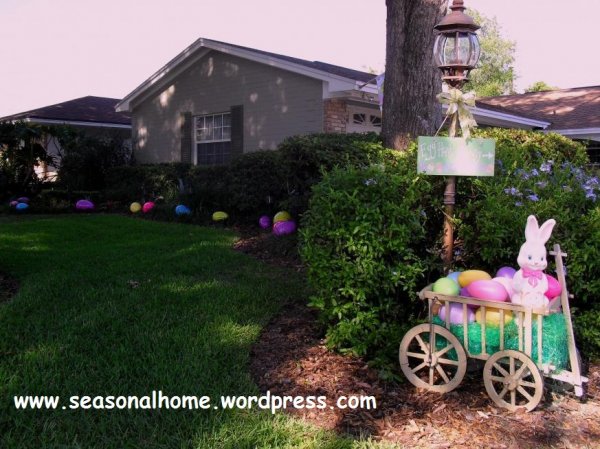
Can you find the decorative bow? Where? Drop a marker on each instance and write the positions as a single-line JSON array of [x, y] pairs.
[[533, 276], [458, 109]]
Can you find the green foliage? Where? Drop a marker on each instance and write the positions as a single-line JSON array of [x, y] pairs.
[[365, 270], [587, 329], [495, 72], [87, 158], [306, 158], [363, 240], [253, 184], [539, 86], [22, 148]]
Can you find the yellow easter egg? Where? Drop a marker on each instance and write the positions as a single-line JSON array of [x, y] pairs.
[[219, 216], [492, 317], [282, 216], [135, 208], [466, 277]]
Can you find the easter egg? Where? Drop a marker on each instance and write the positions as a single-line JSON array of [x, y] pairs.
[[492, 317], [446, 286], [282, 216], [466, 277], [264, 222], [506, 283], [23, 199], [454, 276], [22, 207], [284, 227], [464, 291], [554, 288], [456, 314], [148, 206], [13, 203], [84, 205], [488, 289], [506, 272], [135, 208], [220, 216], [182, 210]]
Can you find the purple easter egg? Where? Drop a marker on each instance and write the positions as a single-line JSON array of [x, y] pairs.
[[84, 205], [456, 314], [23, 199], [506, 272], [264, 222], [284, 227], [13, 203], [465, 292]]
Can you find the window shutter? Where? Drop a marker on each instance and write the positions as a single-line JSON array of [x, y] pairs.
[[186, 137], [237, 131]]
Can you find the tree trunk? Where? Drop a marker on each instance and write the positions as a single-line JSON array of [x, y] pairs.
[[412, 80]]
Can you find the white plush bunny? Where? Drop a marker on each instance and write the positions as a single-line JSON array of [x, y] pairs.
[[530, 283]]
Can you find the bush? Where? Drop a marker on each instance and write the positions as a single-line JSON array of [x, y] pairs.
[[145, 182], [364, 276], [363, 240], [306, 158], [86, 159]]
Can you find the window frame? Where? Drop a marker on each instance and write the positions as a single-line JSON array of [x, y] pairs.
[[196, 141]]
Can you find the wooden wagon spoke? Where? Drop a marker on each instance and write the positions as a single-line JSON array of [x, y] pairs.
[[525, 393], [442, 373], [502, 370], [519, 373], [417, 355], [449, 362], [513, 398], [497, 378], [431, 375], [441, 352], [503, 392], [524, 383], [424, 346], [419, 367]]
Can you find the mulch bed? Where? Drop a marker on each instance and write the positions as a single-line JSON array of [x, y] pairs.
[[291, 359]]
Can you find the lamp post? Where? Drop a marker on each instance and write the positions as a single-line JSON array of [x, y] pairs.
[[456, 52]]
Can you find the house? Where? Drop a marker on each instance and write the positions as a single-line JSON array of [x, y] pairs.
[[216, 100], [574, 113], [94, 115]]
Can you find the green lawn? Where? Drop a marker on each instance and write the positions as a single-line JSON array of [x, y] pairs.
[[110, 305]]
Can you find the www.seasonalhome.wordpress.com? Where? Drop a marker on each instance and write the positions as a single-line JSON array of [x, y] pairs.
[[157, 400]]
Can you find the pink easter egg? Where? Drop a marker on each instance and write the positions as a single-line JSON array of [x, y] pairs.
[[506, 272], [456, 314], [554, 287], [13, 203], [506, 283], [488, 289], [148, 206]]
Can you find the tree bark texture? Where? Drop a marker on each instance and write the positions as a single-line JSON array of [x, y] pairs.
[[412, 79]]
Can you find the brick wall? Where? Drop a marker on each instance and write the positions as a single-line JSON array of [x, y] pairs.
[[334, 116]]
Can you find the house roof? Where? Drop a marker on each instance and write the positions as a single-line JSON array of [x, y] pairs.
[[84, 111], [339, 78], [565, 109]]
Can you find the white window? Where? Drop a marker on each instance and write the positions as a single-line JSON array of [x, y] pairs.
[[213, 138]]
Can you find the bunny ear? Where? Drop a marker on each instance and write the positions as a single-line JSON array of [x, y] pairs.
[[532, 229], [546, 230]]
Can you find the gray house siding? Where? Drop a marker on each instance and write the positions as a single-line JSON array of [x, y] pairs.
[[276, 104]]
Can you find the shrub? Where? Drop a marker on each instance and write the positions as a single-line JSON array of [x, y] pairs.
[[363, 240], [145, 182], [305, 158], [87, 158], [350, 252]]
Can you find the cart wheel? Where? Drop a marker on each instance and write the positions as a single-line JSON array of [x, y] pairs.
[[440, 370], [513, 380]]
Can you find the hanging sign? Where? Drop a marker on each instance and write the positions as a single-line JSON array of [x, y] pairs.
[[454, 156]]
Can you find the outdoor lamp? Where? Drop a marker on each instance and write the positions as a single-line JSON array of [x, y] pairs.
[[456, 49]]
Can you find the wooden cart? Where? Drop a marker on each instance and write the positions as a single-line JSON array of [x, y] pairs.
[[513, 378]]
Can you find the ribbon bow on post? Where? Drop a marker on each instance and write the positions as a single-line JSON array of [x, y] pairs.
[[458, 104]]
